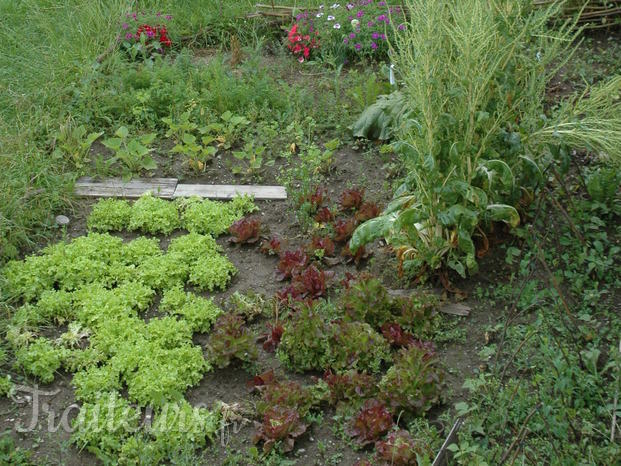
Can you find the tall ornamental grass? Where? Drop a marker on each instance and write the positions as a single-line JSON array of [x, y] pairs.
[[475, 74]]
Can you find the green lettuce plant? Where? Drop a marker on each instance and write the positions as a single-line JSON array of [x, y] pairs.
[[154, 215], [109, 215], [40, 358]]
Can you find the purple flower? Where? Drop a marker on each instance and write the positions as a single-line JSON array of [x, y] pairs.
[[357, 46], [401, 27], [383, 36], [168, 17], [373, 45], [370, 24], [350, 6], [381, 18], [150, 34], [352, 36], [375, 35], [346, 40], [129, 36], [360, 14], [125, 26], [158, 14], [382, 3]]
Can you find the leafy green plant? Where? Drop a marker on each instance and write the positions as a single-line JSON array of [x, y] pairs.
[[104, 424], [211, 272], [7, 387], [304, 345], [40, 358], [109, 215], [229, 340], [199, 312], [474, 134], [206, 216], [154, 215], [133, 152], [179, 127], [198, 155], [355, 345], [73, 143], [11, 454], [228, 129], [367, 300], [249, 160], [603, 184], [414, 382]]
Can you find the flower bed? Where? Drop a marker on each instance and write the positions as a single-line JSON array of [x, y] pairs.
[[349, 31]]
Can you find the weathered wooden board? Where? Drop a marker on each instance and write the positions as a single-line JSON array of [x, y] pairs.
[[226, 191], [116, 187]]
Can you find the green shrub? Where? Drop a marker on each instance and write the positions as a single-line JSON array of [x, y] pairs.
[[40, 358], [110, 215], [154, 215]]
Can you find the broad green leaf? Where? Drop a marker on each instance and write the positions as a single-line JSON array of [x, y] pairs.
[[148, 163], [503, 172], [532, 168], [112, 143], [503, 213], [122, 132], [457, 267], [371, 230], [458, 215], [90, 139], [189, 138], [147, 139]]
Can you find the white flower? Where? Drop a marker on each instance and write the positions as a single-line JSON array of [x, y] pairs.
[[321, 7], [355, 23], [330, 18], [335, 6], [319, 15], [337, 26]]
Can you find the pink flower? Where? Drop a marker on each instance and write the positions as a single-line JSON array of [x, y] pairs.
[[125, 26], [373, 45]]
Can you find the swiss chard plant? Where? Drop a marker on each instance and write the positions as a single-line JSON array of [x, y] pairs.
[[477, 131]]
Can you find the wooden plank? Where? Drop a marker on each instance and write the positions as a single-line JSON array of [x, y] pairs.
[[116, 187], [225, 191]]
